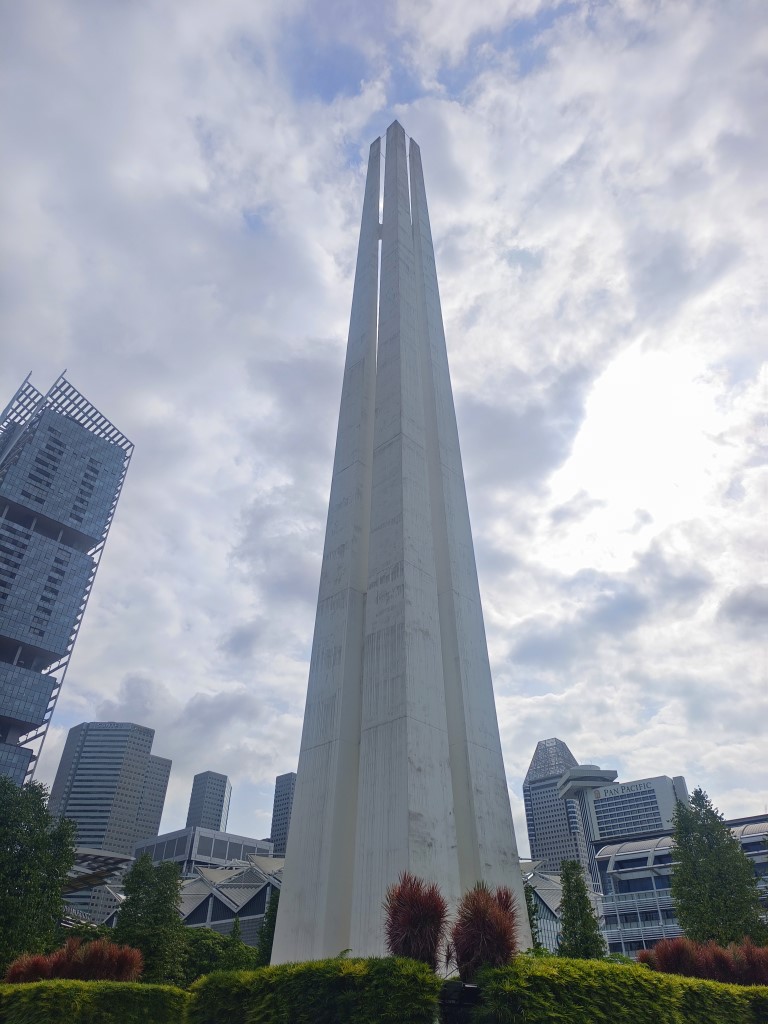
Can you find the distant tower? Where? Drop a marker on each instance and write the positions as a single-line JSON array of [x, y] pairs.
[[571, 808], [209, 802], [285, 786], [62, 465], [110, 784], [555, 826], [400, 765]]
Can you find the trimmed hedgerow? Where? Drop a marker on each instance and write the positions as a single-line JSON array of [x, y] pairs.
[[91, 1002], [386, 990], [540, 991]]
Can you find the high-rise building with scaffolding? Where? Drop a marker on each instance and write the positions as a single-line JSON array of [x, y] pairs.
[[62, 465]]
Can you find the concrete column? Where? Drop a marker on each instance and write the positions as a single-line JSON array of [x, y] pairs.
[[314, 920]]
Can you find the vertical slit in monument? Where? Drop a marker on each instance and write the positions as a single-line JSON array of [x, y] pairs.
[[382, 166], [380, 214], [408, 141]]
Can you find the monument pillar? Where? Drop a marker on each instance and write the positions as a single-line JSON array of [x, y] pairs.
[[400, 765]]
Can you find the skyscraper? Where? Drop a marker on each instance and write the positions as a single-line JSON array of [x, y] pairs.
[[285, 786], [400, 765], [62, 465], [209, 802], [110, 784], [555, 826], [572, 808]]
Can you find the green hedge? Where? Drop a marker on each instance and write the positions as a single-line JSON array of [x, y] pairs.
[[559, 991], [92, 1002], [341, 991]]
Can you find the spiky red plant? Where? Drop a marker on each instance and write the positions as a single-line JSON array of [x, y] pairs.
[[416, 919], [483, 934], [64, 962], [103, 960], [100, 960], [676, 956], [28, 967], [750, 962], [648, 957], [715, 963]]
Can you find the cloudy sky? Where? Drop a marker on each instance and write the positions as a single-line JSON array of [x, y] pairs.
[[182, 186]]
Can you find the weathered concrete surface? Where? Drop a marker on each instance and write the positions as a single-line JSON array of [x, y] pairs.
[[401, 765]]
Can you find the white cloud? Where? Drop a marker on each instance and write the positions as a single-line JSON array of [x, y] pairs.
[[182, 195]]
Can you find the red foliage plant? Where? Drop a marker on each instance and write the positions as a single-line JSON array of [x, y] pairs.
[[416, 919], [647, 957], [741, 963], [676, 956], [100, 960], [28, 967], [483, 934], [750, 963], [715, 963]]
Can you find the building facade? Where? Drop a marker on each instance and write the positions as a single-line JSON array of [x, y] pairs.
[[111, 785], [209, 802], [555, 826], [547, 893], [212, 897], [636, 879], [62, 466], [572, 808], [285, 786], [400, 767], [195, 847]]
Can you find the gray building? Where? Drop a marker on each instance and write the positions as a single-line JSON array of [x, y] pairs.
[[572, 808], [111, 785], [212, 897], [285, 786], [196, 847], [555, 829], [62, 465], [636, 879], [209, 802]]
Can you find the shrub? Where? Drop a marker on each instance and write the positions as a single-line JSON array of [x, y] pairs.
[[741, 963], [385, 990], [91, 1002], [28, 967], [541, 991], [99, 960], [483, 934], [750, 963], [416, 919], [714, 963], [676, 956], [206, 951]]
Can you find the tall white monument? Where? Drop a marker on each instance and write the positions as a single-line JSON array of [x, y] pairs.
[[401, 765]]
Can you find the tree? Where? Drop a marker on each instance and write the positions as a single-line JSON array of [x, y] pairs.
[[36, 854], [581, 938], [236, 934], [267, 933], [533, 914], [205, 951], [714, 888], [149, 919]]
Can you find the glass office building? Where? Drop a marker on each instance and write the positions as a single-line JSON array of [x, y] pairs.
[[111, 785], [62, 466], [209, 802]]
